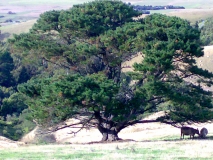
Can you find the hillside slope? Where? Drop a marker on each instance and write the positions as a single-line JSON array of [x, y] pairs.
[[139, 132]]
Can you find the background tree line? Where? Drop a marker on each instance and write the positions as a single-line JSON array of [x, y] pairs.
[[206, 32], [14, 114]]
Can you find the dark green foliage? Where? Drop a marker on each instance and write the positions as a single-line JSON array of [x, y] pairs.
[[23, 76], [16, 126], [170, 48], [5, 93], [14, 104], [206, 32], [75, 44], [47, 21], [68, 96], [6, 66], [94, 18], [13, 112]]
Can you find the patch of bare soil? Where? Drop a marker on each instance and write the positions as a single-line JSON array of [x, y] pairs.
[[139, 132], [7, 143], [205, 62], [127, 66]]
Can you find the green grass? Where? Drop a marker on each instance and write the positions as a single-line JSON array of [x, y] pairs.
[[154, 150], [47, 152]]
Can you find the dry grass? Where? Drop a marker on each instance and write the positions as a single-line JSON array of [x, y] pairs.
[[139, 132], [192, 15], [185, 149], [18, 28], [152, 141], [206, 61]]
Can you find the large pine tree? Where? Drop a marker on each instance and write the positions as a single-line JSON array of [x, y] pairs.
[[93, 40]]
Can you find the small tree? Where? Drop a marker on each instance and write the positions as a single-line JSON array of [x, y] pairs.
[[6, 66], [93, 40], [206, 34]]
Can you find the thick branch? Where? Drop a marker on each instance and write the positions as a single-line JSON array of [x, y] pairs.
[[61, 65], [82, 122], [149, 121]]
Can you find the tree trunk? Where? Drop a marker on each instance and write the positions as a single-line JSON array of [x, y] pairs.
[[109, 134], [107, 128]]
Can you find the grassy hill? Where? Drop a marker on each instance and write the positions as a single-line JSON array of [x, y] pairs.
[[8, 31], [27, 10], [192, 15]]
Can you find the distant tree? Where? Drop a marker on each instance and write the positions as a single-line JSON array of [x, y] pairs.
[[206, 32], [14, 104], [14, 115], [6, 66], [93, 40], [14, 121]]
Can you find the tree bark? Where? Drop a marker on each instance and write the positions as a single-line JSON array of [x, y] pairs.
[[110, 136], [107, 128], [108, 133]]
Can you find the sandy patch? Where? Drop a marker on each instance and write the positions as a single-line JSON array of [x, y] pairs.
[[7, 143], [139, 132], [205, 62]]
